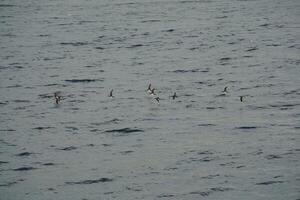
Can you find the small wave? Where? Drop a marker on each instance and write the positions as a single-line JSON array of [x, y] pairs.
[[24, 169], [124, 130], [201, 193], [100, 48], [88, 182], [293, 61], [126, 152], [268, 182], [210, 176], [246, 127], [14, 86], [191, 70], [194, 1], [201, 82], [227, 164], [151, 20], [205, 152], [223, 17], [54, 84], [194, 48], [86, 22], [257, 152], [135, 46], [284, 105], [211, 108], [113, 121], [225, 59], [21, 101], [74, 43], [107, 145], [4, 103], [270, 157], [220, 189], [82, 80], [205, 159], [72, 128], [265, 25], [169, 30], [46, 96], [8, 184], [44, 35], [189, 106], [135, 188], [206, 124], [8, 130], [252, 49], [94, 130], [296, 91], [165, 195], [3, 162], [54, 58], [261, 85], [24, 154], [211, 190], [89, 66], [221, 95], [297, 46], [273, 45], [254, 65], [50, 189], [43, 127], [48, 164], [6, 5], [64, 24], [170, 168], [68, 148]]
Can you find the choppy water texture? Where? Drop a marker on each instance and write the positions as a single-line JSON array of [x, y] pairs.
[[203, 145]]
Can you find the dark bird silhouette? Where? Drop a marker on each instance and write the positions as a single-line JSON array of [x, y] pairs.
[[152, 91], [174, 96], [157, 99], [149, 88], [241, 98], [57, 98], [225, 89], [111, 93]]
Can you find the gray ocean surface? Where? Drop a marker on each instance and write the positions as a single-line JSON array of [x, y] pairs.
[[205, 144]]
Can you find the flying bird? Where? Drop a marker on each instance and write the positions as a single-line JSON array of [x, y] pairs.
[[152, 91], [174, 96], [157, 99], [149, 88], [57, 98], [241, 98], [111, 93]]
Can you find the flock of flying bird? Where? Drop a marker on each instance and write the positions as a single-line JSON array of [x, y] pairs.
[[150, 90]]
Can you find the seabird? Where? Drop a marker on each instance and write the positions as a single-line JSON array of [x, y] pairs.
[[149, 88], [57, 98], [111, 93], [174, 96], [152, 91], [157, 99], [241, 98], [225, 89]]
